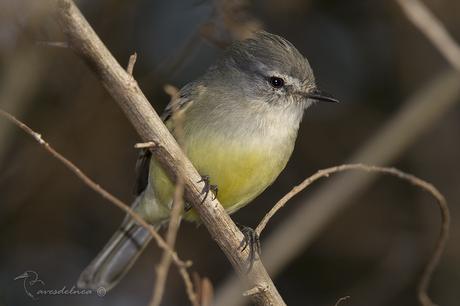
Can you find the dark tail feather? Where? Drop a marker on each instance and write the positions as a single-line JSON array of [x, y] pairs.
[[117, 257]]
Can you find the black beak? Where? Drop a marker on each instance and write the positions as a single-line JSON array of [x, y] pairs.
[[322, 96]]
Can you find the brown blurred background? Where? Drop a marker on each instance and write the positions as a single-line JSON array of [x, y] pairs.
[[364, 52]]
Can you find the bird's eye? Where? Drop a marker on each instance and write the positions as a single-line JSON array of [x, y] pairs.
[[276, 82]]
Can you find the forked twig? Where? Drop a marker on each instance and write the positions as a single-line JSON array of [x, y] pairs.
[[445, 215]]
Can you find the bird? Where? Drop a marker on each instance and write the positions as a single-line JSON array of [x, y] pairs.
[[239, 125]]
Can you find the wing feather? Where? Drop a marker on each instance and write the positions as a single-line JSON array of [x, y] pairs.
[[143, 160]]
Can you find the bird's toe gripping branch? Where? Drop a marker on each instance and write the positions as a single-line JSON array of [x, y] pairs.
[[251, 240], [206, 189]]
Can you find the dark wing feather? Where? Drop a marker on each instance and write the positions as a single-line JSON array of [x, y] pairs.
[[142, 171], [143, 159], [185, 98]]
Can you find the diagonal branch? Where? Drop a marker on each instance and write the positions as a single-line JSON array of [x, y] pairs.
[[127, 94], [182, 266]]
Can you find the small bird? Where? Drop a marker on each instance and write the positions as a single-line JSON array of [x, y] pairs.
[[239, 125]]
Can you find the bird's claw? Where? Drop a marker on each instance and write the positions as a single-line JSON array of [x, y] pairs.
[[251, 240], [207, 188]]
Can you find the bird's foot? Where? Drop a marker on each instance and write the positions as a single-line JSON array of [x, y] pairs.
[[251, 240], [207, 188]]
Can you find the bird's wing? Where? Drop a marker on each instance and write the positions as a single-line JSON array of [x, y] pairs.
[[142, 171], [185, 99]]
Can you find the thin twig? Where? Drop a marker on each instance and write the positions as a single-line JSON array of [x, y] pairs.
[[181, 265], [165, 262], [433, 29], [131, 63], [175, 216], [445, 215]]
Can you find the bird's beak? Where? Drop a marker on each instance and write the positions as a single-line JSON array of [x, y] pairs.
[[321, 96]]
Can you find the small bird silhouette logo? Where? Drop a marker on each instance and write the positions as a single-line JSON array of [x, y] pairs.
[[30, 280]]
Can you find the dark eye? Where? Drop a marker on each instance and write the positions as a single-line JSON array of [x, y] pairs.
[[276, 82]]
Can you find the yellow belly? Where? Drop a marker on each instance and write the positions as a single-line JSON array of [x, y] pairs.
[[240, 171]]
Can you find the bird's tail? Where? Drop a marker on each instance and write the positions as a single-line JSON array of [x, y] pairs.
[[116, 258]]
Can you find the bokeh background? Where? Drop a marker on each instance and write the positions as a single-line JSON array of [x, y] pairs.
[[366, 53]]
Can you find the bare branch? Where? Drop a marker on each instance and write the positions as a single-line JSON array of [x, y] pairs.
[[444, 233], [433, 29], [111, 198], [127, 93]]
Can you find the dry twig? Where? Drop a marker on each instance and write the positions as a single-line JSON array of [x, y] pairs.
[[127, 93], [181, 265], [131, 63], [175, 217], [443, 236]]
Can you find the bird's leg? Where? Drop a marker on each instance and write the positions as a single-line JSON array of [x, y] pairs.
[[251, 240], [208, 187]]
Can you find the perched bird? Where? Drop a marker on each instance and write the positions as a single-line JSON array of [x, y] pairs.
[[240, 123]]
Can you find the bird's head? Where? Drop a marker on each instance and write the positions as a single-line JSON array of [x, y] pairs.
[[268, 68]]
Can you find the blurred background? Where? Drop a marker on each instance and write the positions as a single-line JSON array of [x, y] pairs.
[[366, 53]]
